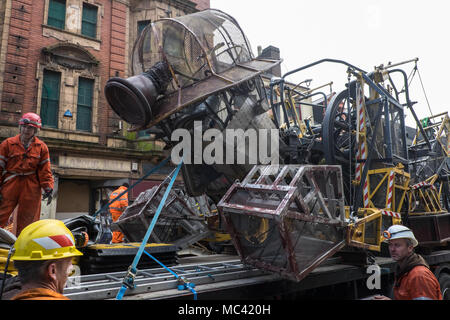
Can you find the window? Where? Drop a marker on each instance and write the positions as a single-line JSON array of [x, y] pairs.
[[89, 21], [84, 106], [141, 25], [50, 98], [57, 13]]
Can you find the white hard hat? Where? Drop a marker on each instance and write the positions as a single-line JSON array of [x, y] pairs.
[[398, 231]]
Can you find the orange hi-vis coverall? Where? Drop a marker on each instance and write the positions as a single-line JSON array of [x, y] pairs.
[[39, 294], [117, 208], [22, 175], [417, 284]]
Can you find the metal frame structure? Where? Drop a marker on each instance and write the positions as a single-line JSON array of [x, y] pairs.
[[425, 198], [390, 187], [366, 141], [443, 127], [365, 232], [376, 164], [176, 215], [276, 215], [295, 217], [378, 96]]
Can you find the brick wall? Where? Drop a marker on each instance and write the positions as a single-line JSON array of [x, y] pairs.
[[112, 61], [118, 49], [2, 19], [118, 35], [26, 39], [25, 42], [16, 77]]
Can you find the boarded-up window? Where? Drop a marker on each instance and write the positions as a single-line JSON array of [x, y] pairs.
[[84, 106], [57, 13], [50, 98], [89, 21]]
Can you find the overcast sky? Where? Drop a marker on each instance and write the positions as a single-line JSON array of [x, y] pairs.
[[364, 33]]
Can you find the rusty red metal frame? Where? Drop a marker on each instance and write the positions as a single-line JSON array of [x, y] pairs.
[[280, 195], [431, 229]]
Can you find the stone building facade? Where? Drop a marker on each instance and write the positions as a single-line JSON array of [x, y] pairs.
[[55, 58]]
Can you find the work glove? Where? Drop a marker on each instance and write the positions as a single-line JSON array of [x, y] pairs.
[[48, 194]]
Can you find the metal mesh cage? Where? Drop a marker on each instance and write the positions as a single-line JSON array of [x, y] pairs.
[[260, 240], [178, 223], [286, 219]]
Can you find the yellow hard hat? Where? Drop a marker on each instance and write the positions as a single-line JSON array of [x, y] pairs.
[[45, 240]]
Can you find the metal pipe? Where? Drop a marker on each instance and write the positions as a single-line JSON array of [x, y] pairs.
[[293, 113], [400, 63], [387, 131], [438, 115], [325, 100], [312, 105], [403, 132], [319, 87], [272, 104], [349, 113], [397, 94], [380, 90], [410, 105], [282, 104], [319, 62]]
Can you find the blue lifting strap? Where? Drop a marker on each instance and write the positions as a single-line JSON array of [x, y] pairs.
[[128, 281], [153, 170], [182, 283]]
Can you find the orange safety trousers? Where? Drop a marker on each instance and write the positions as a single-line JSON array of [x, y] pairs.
[[23, 174], [116, 209]]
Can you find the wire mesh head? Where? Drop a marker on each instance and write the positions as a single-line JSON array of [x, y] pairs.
[[195, 46]]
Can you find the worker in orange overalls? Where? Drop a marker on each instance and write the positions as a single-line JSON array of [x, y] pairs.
[[413, 277], [24, 171], [117, 207]]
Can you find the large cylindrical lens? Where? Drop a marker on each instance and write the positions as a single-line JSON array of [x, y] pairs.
[[129, 102], [132, 99]]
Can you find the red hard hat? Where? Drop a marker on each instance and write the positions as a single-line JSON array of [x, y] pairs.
[[31, 119]]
